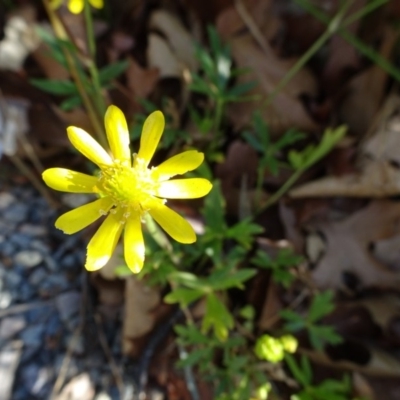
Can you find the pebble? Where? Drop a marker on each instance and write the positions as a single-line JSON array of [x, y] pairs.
[[33, 335], [33, 230], [37, 276], [28, 258], [10, 326], [7, 249], [20, 239], [17, 212], [6, 199], [68, 304], [39, 261], [43, 379]]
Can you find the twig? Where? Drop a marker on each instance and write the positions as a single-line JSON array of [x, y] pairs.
[[106, 348]]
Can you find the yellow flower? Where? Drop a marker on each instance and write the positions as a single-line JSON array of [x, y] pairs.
[[127, 188], [76, 6]]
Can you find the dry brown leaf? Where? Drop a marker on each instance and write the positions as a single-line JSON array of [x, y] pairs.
[[286, 109], [161, 56], [382, 309], [378, 179], [379, 160], [179, 39], [239, 166], [362, 387], [347, 248], [141, 81], [270, 310], [140, 300], [365, 92], [342, 56], [380, 363]]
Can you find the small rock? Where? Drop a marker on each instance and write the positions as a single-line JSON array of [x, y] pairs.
[[33, 335], [43, 382], [79, 388], [40, 246], [28, 258], [69, 261], [68, 304], [7, 249], [37, 276], [53, 285], [53, 325], [25, 292], [20, 239], [6, 199], [50, 263], [17, 212], [10, 326], [33, 230], [13, 279], [40, 314], [6, 299]]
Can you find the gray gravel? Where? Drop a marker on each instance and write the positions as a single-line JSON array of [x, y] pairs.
[[41, 276]]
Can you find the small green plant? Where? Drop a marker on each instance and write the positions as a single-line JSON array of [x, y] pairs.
[[329, 389], [225, 343], [319, 335]]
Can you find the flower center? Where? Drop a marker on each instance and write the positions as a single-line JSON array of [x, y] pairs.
[[132, 188]]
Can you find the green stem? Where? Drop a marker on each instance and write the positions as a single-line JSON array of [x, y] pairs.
[[353, 40], [94, 74], [282, 190], [61, 33], [332, 28]]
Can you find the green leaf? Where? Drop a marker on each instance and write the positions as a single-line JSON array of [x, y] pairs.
[[70, 103], [295, 321], [183, 296], [54, 86], [214, 209], [112, 71], [321, 305], [321, 335], [302, 375], [244, 231], [241, 89], [234, 280], [217, 317]]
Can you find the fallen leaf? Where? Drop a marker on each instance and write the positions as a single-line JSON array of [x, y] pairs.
[[378, 172], [141, 81], [346, 262], [365, 91], [265, 68], [178, 37]]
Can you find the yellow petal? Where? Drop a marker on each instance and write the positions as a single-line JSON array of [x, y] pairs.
[[75, 220], [102, 244], [175, 225], [117, 134], [85, 143], [191, 188], [76, 6], [179, 164], [66, 180], [97, 3], [152, 130], [134, 244]]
